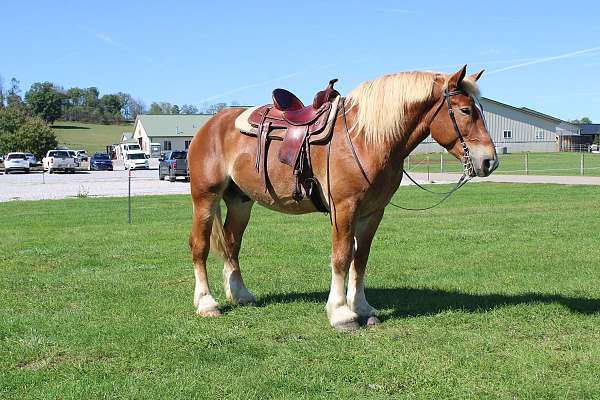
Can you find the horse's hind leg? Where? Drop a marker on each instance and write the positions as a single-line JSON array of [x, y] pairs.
[[205, 208], [238, 214]]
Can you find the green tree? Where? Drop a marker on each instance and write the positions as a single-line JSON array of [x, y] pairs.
[[189, 109], [1, 93], [21, 132], [45, 101], [174, 109], [155, 108], [13, 96], [584, 120]]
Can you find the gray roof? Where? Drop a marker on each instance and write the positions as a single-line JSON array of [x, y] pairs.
[[589, 129], [172, 125]]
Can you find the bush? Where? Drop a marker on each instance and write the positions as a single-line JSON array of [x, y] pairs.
[[20, 132]]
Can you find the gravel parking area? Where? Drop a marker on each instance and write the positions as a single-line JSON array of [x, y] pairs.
[[38, 186]]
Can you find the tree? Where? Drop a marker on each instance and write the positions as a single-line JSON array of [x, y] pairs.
[[155, 108], [584, 120], [13, 97], [174, 109], [215, 108], [1, 93], [189, 109], [131, 107], [45, 101], [20, 132]]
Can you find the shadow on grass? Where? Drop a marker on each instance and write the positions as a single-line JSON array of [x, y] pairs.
[[409, 302], [70, 127]]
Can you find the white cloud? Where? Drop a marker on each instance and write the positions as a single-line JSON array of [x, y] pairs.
[[591, 50]]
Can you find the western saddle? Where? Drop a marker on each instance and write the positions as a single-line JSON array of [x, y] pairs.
[[298, 126]]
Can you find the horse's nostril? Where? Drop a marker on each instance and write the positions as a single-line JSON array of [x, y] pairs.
[[487, 165]]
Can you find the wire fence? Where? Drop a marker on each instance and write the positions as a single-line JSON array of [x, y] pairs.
[[559, 163]]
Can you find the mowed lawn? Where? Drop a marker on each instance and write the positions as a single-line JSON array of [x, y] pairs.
[[555, 163], [495, 294], [91, 137]]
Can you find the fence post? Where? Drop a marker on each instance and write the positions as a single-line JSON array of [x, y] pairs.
[[408, 163], [582, 164], [442, 163], [129, 198], [526, 163], [428, 180]]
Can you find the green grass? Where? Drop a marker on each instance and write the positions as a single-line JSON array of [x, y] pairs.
[[556, 163], [92, 137], [495, 294]]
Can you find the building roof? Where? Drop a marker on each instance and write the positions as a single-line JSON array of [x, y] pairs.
[[172, 125], [563, 125], [589, 129]]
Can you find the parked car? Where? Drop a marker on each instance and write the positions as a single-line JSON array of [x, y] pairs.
[[82, 155], [173, 164], [100, 161], [16, 162], [58, 160], [136, 160], [31, 158]]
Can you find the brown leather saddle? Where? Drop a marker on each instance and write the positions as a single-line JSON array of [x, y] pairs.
[[298, 126]]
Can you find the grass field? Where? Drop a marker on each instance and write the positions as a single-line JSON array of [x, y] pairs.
[[563, 163], [92, 137], [495, 294]]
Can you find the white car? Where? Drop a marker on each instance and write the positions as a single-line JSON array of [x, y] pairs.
[[136, 160], [16, 162], [58, 160]]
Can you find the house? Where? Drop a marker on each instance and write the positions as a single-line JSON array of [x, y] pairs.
[[521, 129], [171, 132]]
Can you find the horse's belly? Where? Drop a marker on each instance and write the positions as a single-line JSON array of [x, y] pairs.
[[280, 185]]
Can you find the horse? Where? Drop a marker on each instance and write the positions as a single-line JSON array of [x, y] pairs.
[[385, 119]]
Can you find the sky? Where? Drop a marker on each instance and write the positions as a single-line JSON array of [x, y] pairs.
[[541, 55]]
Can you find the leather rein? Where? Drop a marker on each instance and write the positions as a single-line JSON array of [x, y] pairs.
[[468, 167]]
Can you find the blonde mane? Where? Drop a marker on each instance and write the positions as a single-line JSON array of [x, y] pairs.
[[383, 102]]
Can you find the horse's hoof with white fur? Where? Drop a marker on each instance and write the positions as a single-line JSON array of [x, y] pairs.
[[349, 326], [209, 313], [373, 320]]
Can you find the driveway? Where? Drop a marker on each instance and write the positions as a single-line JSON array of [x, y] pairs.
[[38, 186]]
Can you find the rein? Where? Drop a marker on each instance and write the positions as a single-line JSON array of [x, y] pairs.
[[465, 159]]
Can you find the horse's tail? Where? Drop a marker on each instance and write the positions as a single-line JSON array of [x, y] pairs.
[[218, 243]]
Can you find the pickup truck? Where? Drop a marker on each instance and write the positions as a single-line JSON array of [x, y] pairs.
[[58, 160], [173, 164]]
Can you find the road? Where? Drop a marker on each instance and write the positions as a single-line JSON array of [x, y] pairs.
[[38, 186]]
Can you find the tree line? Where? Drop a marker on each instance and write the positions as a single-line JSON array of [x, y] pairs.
[[51, 102]]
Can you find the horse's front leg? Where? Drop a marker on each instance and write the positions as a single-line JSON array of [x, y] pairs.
[[341, 317], [365, 231]]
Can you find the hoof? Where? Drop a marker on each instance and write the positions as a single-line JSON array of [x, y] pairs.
[[349, 326], [209, 313], [373, 320]]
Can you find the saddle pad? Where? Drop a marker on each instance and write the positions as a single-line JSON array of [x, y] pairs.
[[241, 123]]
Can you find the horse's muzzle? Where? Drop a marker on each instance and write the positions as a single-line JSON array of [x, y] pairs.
[[485, 164]]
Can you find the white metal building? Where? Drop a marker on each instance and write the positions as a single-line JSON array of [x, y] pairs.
[[519, 129], [172, 132]]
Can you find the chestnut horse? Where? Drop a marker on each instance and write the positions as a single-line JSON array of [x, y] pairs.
[[387, 118]]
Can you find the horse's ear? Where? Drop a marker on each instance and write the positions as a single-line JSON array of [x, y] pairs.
[[457, 78], [477, 75]]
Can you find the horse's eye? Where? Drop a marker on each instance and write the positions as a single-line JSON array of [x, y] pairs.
[[465, 110]]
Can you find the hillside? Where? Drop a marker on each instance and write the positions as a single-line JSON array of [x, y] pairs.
[[92, 137]]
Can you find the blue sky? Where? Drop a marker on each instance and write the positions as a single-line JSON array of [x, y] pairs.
[[542, 55]]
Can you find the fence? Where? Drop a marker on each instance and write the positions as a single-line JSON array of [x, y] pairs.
[[559, 163]]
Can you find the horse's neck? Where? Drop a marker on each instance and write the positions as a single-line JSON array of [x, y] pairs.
[[391, 155]]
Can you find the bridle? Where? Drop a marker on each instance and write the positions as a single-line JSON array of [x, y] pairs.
[[467, 162], [468, 167]]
